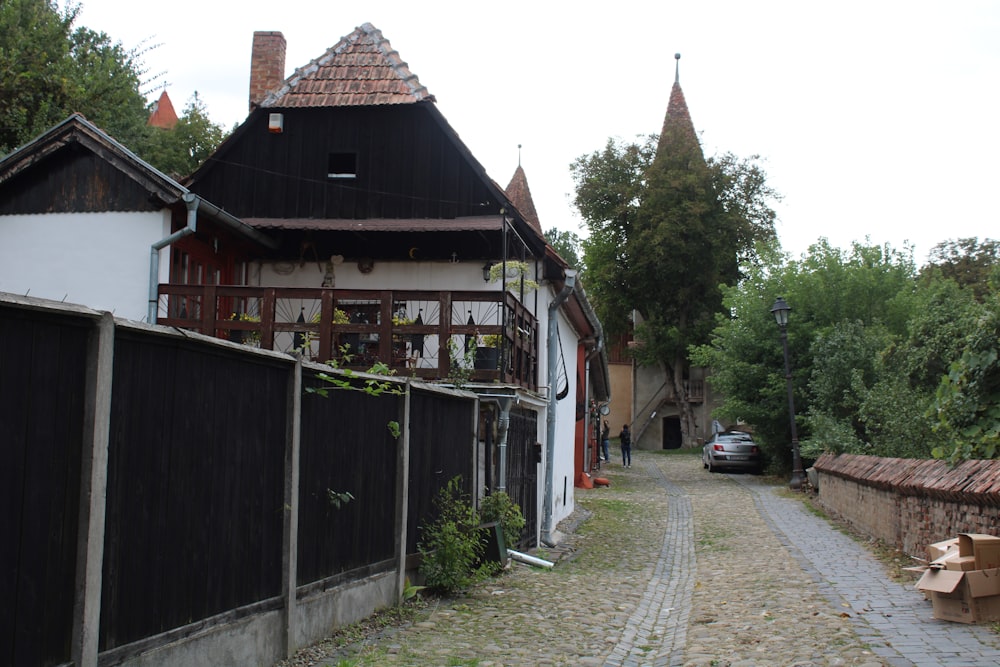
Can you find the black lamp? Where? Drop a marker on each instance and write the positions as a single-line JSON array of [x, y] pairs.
[[780, 310]]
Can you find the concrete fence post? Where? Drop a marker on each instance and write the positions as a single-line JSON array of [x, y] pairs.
[[290, 538], [93, 493]]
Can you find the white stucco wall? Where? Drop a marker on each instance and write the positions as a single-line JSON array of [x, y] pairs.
[[100, 260]]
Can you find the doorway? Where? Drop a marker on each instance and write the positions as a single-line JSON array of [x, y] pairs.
[[672, 433]]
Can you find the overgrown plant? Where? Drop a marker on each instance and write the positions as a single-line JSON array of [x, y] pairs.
[[499, 507], [450, 545], [463, 364]]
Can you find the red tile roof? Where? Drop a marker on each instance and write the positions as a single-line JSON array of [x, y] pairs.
[[362, 69], [163, 114], [520, 197]]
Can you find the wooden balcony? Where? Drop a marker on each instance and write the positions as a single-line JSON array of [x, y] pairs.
[[427, 334]]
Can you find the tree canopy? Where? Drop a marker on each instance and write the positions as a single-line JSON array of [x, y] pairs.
[[667, 229], [885, 361], [50, 69]]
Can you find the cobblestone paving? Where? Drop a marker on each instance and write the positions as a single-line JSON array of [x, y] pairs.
[[673, 565]]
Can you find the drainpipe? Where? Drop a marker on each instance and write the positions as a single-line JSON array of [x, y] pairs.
[[191, 200], [504, 402], [551, 350]]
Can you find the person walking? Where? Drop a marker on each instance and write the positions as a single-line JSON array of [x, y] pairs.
[[606, 439], [625, 439]]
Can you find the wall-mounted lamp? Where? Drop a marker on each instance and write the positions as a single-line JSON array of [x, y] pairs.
[[486, 271]]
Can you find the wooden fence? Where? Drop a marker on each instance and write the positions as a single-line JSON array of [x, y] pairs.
[[161, 486]]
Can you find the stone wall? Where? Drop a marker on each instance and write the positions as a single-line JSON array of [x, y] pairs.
[[910, 503]]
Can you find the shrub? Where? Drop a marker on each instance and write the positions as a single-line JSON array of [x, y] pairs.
[[500, 508], [450, 545]]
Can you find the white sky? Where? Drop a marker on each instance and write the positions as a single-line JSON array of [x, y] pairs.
[[875, 118]]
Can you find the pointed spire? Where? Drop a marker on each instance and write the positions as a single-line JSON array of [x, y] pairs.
[[163, 114], [520, 197], [677, 125]]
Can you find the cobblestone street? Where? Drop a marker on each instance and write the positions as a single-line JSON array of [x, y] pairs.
[[673, 565]]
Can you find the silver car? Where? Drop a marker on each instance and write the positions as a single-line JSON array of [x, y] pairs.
[[731, 450]]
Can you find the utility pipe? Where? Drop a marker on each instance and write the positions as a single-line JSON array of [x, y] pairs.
[[530, 560], [551, 349], [504, 402], [191, 201]]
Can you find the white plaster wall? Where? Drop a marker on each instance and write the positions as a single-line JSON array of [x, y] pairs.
[[563, 494], [100, 260]]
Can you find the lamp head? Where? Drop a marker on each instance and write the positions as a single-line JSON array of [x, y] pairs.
[[780, 310]]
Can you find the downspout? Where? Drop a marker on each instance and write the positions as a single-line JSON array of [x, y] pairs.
[[551, 350], [191, 200], [504, 402]]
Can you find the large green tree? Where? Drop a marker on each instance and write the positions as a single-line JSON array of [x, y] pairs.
[[667, 229], [49, 69]]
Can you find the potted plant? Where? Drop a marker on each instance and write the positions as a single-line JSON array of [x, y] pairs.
[[516, 274], [488, 353]]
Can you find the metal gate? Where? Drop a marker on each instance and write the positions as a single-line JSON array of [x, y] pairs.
[[523, 452]]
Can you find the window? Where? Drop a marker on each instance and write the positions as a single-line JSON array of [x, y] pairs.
[[342, 165]]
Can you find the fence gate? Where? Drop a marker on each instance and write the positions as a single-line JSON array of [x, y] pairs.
[[522, 472]]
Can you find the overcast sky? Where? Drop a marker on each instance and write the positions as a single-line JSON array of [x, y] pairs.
[[874, 118]]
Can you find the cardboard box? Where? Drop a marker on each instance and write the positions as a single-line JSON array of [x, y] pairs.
[[939, 549], [985, 549], [964, 597], [960, 563]]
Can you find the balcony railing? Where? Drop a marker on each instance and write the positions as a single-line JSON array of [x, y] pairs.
[[427, 334]]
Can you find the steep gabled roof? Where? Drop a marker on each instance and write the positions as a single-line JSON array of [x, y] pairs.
[[362, 69], [78, 130]]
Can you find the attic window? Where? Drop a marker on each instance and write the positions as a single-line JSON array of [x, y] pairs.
[[342, 165]]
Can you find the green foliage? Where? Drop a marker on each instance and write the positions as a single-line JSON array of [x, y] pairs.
[[859, 386], [967, 402], [568, 245], [969, 262], [180, 150], [349, 380], [339, 498], [49, 69], [463, 362], [499, 507], [450, 545], [515, 274]]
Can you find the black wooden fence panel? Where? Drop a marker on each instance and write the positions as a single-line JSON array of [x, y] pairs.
[[522, 472], [195, 498], [346, 446], [42, 377], [441, 437]]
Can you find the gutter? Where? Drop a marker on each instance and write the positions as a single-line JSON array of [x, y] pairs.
[[194, 203], [504, 402], [552, 346]]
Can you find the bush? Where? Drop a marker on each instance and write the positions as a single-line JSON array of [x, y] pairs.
[[450, 545], [500, 508]]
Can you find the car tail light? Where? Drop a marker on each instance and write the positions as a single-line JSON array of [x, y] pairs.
[[753, 450], [719, 448]]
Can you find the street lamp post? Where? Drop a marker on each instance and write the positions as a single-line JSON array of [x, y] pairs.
[[780, 310]]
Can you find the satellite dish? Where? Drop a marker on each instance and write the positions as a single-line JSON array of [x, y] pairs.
[[605, 409]]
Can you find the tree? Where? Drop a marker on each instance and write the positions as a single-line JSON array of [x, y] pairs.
[[48, 70], [667, 228], [968, 262], [180, 150], [567, 244]]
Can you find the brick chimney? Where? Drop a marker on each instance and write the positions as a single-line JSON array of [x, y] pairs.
[[267, 65]]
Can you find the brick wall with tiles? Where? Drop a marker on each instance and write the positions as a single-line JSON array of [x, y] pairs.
[[910, 503]]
